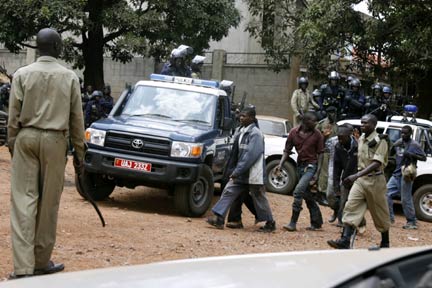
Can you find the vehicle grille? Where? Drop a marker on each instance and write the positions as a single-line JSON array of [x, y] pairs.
[[152, 146]]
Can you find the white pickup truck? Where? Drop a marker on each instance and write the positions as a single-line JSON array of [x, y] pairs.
[[275, 132]]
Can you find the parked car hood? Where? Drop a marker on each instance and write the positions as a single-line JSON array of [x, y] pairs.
[[178, 131], [290, 269]]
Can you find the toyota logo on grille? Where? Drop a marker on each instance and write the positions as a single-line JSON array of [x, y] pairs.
[[137, 143]]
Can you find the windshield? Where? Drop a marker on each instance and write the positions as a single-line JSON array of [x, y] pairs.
[[272, 127], [173, 104]]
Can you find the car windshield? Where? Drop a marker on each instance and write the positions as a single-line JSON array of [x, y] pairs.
[[270, 127], [173, 104]]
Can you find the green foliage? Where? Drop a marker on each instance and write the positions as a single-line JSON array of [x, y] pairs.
[[395, 42], [123, 28]]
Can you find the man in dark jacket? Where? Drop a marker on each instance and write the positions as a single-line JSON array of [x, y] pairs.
[[246, 170], [345, 164]]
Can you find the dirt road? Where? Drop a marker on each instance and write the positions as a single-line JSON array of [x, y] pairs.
[[143, 227]]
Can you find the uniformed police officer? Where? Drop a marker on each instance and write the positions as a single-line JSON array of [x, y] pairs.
[[354, 101], [373, 102], [45, 106], [196, 66], [369, 188], [177, 66], [332, 94], [301, 101]]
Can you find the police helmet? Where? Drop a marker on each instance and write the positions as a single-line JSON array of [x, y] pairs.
[[349, 79], [185, 50], [376, 87], [387, 89], [198, 60], [303, 80], [355, 83], [176, 53], [334, 75], [316, 93], [96, 93]]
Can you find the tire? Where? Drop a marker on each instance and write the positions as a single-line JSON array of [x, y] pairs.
[[423, 202], [283, 184], [96, 185], [194, 199]]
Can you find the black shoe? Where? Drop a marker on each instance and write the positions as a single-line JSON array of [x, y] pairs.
[[216, 221], [313, 228], [235, 225], [291, 227], [50, 269], [13, 276], [270, 226]]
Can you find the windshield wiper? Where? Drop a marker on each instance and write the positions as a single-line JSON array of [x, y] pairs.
[[150, 114], [192, 120]]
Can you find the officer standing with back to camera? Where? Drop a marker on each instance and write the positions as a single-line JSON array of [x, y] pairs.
[[45, 106], [332, 94], [301, 101], [369, 187]]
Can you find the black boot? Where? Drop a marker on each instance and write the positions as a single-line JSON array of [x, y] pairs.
[[385, 240], [333, 217], [292, 226], [344, 241]]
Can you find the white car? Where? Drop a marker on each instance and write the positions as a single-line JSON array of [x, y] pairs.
[[422, 187], [275, 132], [393, 267]]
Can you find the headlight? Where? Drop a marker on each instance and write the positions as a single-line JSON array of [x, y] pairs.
[[95, 136], [186, 150]]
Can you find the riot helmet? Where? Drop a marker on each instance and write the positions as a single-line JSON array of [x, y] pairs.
[[387, 90], [97, 94], [303, 82], [334, 78], [376, 89], [316, 93]]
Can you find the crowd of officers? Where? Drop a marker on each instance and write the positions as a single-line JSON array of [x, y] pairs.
[[349, 102], [96, 104], [338, 166]]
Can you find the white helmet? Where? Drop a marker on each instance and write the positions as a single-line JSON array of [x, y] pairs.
[[198, 59]]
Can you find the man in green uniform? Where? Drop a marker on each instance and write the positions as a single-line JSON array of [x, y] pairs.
[[301, 101], [45, 107], [369, 188]]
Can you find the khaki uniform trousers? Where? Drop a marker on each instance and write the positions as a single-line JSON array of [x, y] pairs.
[[38, 166], [368, 193]]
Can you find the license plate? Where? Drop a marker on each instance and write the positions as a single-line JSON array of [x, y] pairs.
[[134, 165]]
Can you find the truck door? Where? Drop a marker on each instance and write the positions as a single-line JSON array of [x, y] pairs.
[[223, 139]]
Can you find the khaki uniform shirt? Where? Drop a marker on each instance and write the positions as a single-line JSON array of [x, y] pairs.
[[45, 95], [368, 154], [302, 102]]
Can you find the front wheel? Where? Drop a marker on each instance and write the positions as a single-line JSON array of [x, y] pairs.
[[282, 183], [97, 186], [423, 202], [194, 199]]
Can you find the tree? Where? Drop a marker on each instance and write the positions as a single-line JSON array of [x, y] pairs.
[[393, 44], [119, 28]]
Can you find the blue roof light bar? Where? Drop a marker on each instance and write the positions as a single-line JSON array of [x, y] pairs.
[[184, 80]]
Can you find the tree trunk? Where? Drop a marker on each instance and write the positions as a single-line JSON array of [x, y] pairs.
[[423, 102], [93, 47]]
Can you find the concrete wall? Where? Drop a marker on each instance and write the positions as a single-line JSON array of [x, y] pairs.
[[116, 73], [270, 92]]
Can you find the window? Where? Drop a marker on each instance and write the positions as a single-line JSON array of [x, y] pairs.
[[394, 134]]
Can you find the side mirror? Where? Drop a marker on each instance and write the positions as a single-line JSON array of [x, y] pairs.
[[227, 123]]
